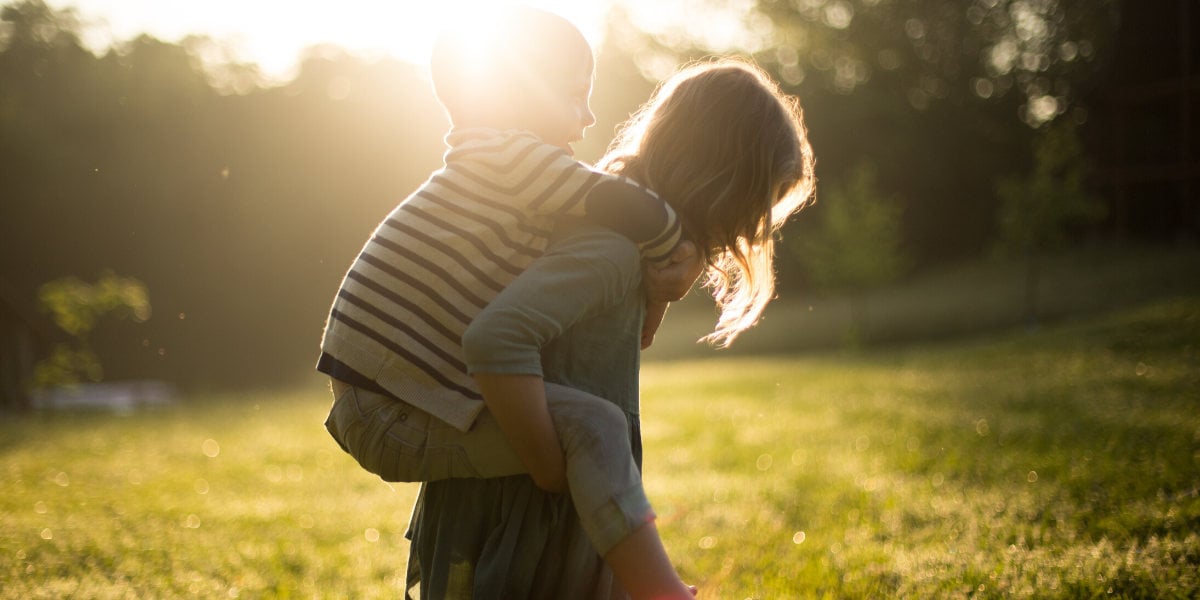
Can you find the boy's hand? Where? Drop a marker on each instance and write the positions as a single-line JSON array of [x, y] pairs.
[[668, 284]]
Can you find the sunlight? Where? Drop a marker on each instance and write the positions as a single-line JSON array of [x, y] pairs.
[[262, 32]]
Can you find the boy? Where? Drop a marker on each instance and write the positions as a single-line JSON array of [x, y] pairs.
[[406, 406]]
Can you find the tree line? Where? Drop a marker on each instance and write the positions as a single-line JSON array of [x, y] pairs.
[[239, 204]]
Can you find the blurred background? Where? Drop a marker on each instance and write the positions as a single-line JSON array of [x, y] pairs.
[[182, 185]]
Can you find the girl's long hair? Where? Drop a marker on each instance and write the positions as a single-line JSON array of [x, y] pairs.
[[728, 150]]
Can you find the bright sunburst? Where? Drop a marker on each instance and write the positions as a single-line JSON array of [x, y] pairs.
[[273, 33]]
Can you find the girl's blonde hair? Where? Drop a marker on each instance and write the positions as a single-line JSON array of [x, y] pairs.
[[728, 150]]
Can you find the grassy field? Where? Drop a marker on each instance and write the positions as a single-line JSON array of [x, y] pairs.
[[971, 298], [1063, 463]]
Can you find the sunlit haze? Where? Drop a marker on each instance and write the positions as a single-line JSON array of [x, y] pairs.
[[273, 33]]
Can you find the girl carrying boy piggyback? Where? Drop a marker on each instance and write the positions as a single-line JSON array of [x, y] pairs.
[[432, 382]]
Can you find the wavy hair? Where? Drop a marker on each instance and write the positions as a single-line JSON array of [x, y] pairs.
[[728, 150]]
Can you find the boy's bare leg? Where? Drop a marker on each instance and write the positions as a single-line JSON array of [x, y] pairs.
[[641, 564]]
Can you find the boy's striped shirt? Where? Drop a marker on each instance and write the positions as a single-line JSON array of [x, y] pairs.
[[446, 251]]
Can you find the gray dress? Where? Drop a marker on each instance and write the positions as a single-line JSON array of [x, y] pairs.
[[504, 538]]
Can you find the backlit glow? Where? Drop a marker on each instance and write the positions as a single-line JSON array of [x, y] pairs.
[[274, 33]]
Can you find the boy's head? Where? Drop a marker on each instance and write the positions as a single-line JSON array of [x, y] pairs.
[[516, 68]]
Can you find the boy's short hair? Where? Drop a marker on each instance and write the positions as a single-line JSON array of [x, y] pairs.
[[505, 63]]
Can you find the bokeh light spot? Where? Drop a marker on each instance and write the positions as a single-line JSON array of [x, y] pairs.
[[764, 462], [981, 427]]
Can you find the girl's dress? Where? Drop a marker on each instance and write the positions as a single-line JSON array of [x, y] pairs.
[[504, 538]]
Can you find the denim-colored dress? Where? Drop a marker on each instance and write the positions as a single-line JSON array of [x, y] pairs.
[[504, 538]]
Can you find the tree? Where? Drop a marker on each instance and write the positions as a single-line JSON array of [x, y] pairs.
[[931, 50], [76, 307], [1037, 207], [941, 94], [858, 243]]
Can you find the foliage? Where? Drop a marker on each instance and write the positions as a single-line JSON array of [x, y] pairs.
[[1036, 207], [1056, 465], [931, 51], [76, 307], [857, 245], [241, 211], [940, 94], [241, 205]]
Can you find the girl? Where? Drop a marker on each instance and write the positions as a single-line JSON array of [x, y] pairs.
[[729, 151]]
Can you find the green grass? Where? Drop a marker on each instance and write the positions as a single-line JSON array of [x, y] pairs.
[[970, 298], [220, 498], [1063, 463]]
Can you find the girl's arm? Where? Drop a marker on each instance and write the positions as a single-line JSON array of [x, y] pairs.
[[582, 275], [518, 402], [665, 285]]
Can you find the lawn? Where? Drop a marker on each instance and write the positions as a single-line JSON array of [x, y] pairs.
[[1062, 463]]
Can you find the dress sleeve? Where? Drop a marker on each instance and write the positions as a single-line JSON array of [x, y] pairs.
[[586, 273]]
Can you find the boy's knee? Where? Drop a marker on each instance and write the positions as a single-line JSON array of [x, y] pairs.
[[591, 422]]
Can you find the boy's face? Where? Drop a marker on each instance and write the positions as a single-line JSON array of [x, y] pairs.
[[569, 112]]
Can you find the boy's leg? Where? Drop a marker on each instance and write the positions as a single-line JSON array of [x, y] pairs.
[[641, 564], [606, 488], [399, 442], [602, 478]]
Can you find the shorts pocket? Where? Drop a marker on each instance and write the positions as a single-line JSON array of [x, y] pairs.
[[366, 425], [412, 452], [343, 420], [402, 444]]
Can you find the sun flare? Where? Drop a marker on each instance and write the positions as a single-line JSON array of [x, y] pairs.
[[274, 35]]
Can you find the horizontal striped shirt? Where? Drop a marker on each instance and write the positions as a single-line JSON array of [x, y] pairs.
[[449, 248]]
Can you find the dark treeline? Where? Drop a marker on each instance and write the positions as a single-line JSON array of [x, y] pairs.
[[240, 211]]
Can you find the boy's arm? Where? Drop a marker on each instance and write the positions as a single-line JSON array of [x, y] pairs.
[[638, 214], [519, 404], [553, 184]]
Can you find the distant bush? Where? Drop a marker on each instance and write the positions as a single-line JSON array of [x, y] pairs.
[[76, 307]]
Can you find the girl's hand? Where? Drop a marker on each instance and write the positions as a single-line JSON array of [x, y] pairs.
[[655, 311], [673, 281], [668, 284]]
